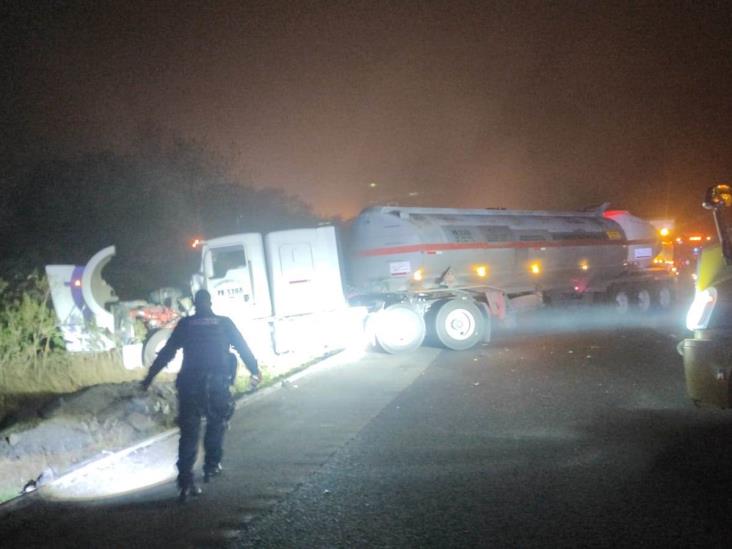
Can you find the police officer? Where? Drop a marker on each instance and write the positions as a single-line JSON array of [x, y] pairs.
[[203, 385]]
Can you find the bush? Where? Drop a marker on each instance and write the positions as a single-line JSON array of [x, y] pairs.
[[28, 331]]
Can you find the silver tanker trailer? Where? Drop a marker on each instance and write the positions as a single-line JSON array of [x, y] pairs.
[[452, 271]]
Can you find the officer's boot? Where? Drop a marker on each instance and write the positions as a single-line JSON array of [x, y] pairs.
[[188, 489], [211, 471]]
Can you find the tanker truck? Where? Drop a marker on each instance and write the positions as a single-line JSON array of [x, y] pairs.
[[446, 272], [397, 275]]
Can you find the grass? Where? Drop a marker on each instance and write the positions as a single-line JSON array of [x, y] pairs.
[[272, 374]]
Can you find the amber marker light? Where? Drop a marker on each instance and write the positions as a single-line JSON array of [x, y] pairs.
[[535, 268], [584, 265], [481, 271], [418, 275]]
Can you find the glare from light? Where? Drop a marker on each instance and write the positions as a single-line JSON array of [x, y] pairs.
[[481, 271], [664, 231], [418, 275], [584, 265], [701, 309], [397, 325], [306, 336], [124, 472], [535, 268]]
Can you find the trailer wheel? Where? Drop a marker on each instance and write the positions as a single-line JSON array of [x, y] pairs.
[[153, 344], [399, 328], [458, 324], [664, 297], [643, 300], [620, 301]]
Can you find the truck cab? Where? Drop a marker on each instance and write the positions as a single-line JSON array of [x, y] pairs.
[[282, 289], [708, 354]]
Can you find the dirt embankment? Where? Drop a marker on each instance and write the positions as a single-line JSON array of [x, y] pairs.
[[59, 414], [37, 445]]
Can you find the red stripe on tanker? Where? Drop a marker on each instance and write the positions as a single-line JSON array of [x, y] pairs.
[[435, 248]]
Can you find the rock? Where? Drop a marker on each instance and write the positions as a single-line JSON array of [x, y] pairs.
[[29, 487], [161, 407], [138, 404], [52, 408], [13, 439], [140, 422], [46, 476]]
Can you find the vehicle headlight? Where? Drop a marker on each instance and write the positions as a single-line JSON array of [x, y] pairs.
[[701, 309]]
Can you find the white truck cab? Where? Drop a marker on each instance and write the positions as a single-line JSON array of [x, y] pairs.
[[283, 289]]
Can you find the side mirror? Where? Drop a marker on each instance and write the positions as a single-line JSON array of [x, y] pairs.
[[198, 282], [718, 196]]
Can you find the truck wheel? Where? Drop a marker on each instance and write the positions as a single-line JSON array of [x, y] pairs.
[[664, 297], [643, 300], [459, 324], [620, 301], [153, 344], [399, 328]]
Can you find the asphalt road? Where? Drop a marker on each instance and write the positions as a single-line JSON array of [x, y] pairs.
[[568, 432]]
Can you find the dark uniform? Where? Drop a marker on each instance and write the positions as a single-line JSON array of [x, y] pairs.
[[203, 384]]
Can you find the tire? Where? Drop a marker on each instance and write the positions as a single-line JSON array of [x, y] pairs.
[[643, 300], [153, 344], [664, 297], [458, 324], [620, 301], [399, 328]]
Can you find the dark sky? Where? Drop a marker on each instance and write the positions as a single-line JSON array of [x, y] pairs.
[[515, 104]]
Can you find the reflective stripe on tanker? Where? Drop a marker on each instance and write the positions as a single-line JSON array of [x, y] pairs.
[[435, 248]]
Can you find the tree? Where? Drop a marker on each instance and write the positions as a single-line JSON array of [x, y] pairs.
[[149, 202]]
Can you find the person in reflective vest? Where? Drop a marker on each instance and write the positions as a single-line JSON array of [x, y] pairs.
[[203, 385]]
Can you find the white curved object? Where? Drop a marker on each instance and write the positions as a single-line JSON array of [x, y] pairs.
[[95, 290]]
